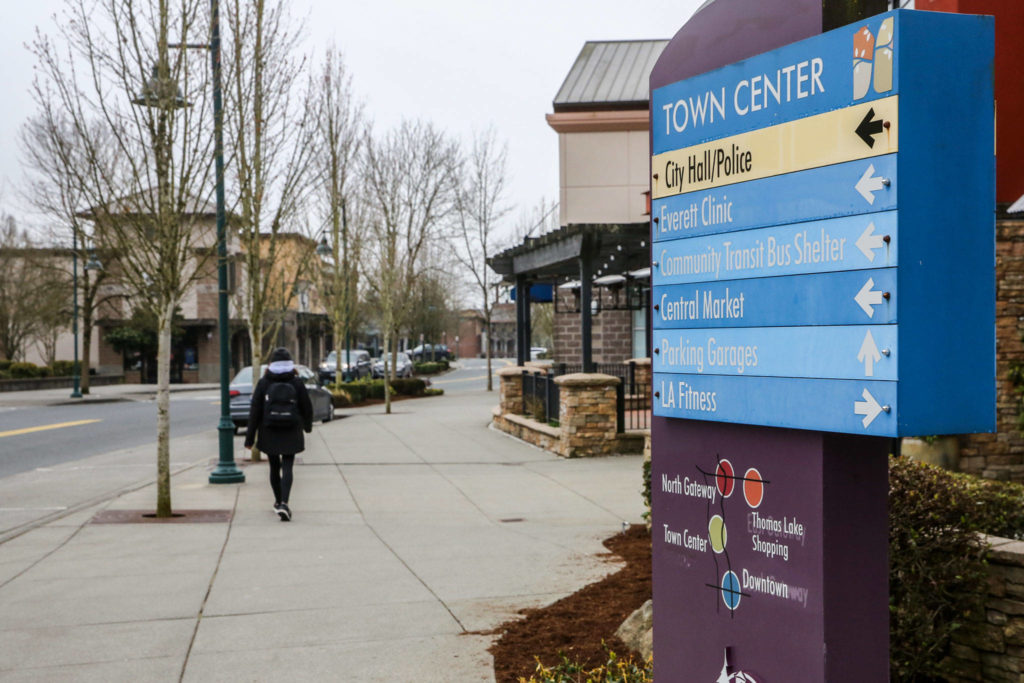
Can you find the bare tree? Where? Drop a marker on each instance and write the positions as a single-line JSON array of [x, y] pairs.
[[145, 181], [29, 290], [411, 180], [339, 135], [539, 219], [270, 143], [480, 208], [55, 163]]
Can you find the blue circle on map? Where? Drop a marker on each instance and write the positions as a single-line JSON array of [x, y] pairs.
[[731, 590]]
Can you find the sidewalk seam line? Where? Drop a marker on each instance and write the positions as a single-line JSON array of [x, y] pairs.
[[380, 538], [209, 587], [15, 532]]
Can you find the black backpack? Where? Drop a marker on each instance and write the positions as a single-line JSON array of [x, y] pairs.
[[282, 405]]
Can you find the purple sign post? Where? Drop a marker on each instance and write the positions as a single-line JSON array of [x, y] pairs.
[[821, 224]]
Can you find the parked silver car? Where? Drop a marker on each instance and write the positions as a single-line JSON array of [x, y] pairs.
[[403, 366], [240, 392], [360, 366]]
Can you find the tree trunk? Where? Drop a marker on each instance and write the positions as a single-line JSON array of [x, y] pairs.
[[163, 416], [487, 351], [84, 364], [256, 345], [387, 384]]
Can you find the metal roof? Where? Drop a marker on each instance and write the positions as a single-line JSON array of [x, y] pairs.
[[610, 72]]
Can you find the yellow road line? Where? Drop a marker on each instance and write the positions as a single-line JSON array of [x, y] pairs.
[[43, 428]]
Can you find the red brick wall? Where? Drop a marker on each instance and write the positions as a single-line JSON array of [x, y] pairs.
[[1001, 455]]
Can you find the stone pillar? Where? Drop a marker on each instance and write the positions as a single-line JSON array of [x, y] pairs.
[[511, 390], [587, 414], [642, 373]]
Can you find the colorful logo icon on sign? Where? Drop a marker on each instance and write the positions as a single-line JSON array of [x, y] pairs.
[[872, 60]]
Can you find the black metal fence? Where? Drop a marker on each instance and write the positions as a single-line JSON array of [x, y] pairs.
[[633, 397], [540, 397]]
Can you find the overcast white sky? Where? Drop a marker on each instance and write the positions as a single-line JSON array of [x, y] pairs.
[[463, 64]]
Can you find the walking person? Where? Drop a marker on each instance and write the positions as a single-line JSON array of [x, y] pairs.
[[280, 411]]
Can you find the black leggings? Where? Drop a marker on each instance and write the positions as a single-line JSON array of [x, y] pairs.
[[281, 476]]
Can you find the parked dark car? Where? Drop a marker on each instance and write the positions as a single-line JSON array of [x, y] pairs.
[[428, 352], [361, 366], [240, 392], [403, 366]]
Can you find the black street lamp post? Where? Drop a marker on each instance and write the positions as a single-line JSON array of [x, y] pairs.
[[76, 372], [226, 472]]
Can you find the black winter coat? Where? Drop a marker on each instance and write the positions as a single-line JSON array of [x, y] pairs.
[[278, 440]]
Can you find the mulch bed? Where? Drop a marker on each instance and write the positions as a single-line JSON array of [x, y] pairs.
[[582, 625]]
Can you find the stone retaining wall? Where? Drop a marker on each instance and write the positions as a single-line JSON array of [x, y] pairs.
[[587, 417], [1001, 455], [993, 649]]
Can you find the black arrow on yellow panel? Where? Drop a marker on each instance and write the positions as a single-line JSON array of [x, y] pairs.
[[868, 129]]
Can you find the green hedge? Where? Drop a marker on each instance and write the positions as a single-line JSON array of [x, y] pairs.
[[428, 368], [362, 390], [27, 371], [63, 368]]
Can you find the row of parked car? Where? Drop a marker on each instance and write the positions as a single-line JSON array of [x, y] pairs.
[[357, 363]]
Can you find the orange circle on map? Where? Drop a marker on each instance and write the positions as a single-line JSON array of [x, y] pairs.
[[753, 487]]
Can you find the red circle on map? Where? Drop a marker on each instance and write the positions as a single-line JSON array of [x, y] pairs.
[[724, 478], [753, 487]]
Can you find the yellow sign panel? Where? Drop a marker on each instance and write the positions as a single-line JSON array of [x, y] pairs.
[[857, 132]]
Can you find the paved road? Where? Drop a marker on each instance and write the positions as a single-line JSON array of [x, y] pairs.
[[34, 436], [471, 375]]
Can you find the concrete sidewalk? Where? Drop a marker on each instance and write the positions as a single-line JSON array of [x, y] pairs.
[[414, 534], [114, 392]]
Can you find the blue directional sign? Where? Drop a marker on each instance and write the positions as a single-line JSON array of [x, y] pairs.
[[840, 190], [865, 241], [846, 298], [795, 282], [856, 352]]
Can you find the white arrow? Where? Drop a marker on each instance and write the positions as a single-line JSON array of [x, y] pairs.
[[869, 354], [866, 298], [868, 242], [869, 408], [868, 185]]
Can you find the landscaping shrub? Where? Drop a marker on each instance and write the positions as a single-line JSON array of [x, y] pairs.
[[356, 391], [615, 670], [27, 371], [5, 365], [429, 368], [433, 391], [937, 579], [340, 398], [63, 368], [408, 386], [361, 390]]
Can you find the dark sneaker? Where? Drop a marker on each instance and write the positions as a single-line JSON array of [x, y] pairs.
[[284, 513], [277, 506]]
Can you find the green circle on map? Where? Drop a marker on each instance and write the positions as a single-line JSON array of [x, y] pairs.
[[717, 534]]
